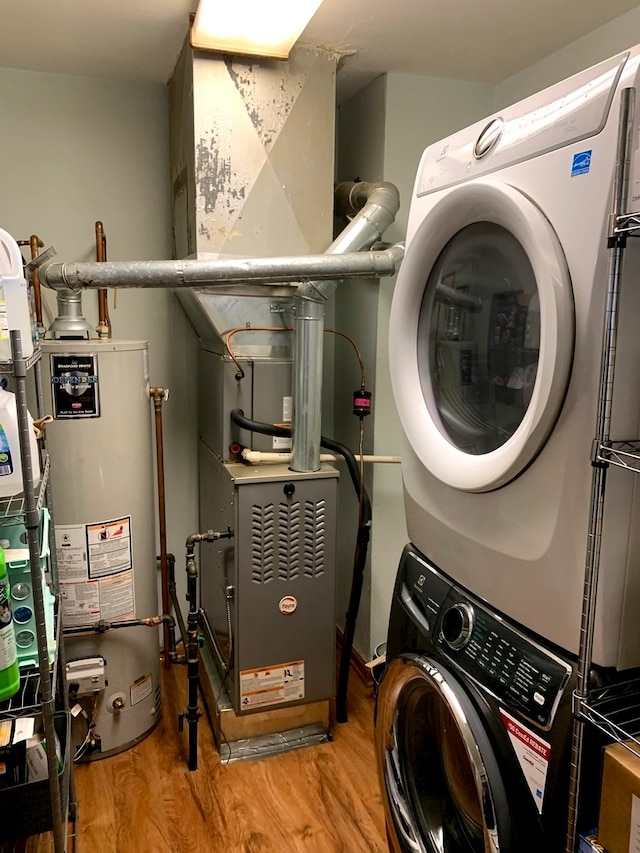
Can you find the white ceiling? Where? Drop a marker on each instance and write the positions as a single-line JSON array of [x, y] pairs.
[[479, 40]]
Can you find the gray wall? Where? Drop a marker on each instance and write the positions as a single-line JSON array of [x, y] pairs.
[[75, 150], [612, 38]]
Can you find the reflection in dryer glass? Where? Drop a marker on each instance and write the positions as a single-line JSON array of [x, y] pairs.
[[479, 337], [438, 777]]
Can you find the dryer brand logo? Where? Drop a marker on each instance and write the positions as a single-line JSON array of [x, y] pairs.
[[581, 163]]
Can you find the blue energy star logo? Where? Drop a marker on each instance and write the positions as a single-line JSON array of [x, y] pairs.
[[581, 163]]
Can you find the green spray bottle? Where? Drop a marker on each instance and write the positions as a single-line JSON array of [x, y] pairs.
[[9, 666]]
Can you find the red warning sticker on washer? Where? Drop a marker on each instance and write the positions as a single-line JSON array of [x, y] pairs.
[[532, 753]]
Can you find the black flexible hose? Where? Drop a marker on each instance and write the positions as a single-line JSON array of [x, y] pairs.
[[238, 417], [360, 556]]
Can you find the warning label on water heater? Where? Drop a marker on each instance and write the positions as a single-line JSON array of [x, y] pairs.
[[95, 570], [273, 686]]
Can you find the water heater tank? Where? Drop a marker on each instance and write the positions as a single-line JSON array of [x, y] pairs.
[[102, 484]]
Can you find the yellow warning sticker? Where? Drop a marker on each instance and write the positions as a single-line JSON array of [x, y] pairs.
[[272, 686]]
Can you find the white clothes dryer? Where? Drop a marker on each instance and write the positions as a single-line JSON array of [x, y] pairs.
[[495, 349]]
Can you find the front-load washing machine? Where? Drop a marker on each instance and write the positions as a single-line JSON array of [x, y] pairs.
[[473, 723], [495, 347]]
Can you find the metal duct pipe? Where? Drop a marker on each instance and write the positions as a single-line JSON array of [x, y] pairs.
[[377, 205], [76, 276], [70, 322]]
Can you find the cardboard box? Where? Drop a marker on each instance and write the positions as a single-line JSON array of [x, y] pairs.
[[619, 825]]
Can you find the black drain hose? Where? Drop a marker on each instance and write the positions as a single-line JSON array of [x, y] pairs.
[[360, 556]]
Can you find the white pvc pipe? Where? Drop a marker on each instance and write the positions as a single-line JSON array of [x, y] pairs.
[[258, 457]]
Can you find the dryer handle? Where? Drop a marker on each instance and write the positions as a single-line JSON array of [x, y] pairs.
[[415, 611]]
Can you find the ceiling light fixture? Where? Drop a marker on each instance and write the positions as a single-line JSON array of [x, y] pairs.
[[266, 28]]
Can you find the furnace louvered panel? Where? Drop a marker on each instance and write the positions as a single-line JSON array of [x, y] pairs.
[[314, 538], [289, 528], [284, 596], [297, 542], [262, 546]]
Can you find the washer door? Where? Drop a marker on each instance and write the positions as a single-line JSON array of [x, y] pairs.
[[481, 335], [441, 783]]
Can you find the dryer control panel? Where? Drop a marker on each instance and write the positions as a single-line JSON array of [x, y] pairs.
[[500, 658]]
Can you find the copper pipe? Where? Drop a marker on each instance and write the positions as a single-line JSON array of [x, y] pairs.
[[104, 323], [40, 244], [158, 395], [35, 244]]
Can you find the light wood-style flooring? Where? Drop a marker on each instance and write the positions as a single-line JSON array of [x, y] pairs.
[[319, 799]]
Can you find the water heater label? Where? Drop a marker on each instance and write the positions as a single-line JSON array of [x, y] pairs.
[[75, 388], [273, 686], [95, 570]]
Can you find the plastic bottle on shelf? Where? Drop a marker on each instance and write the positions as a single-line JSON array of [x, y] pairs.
[[9, 666], [10, 456], [14, 298]]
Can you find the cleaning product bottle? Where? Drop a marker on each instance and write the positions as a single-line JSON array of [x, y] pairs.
[[14, 299], [10, 456], [9, 666]]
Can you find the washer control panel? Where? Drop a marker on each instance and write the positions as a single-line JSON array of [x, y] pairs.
[[495, 654], [423, 588], [501, 659], [457, 625]]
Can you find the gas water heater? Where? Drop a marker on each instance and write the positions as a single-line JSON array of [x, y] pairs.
[[102, 483]]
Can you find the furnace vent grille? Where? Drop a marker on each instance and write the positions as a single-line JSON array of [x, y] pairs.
[[262, 543], [289, 541], [292, 533], [314, 538]]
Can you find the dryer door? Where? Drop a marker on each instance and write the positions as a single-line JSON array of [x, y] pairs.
[[441, 780], [481, 335]]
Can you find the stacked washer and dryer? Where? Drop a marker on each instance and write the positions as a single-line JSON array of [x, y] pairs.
[[495, 350]]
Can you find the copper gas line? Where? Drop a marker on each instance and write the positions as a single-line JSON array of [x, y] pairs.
[[158, 395], [240, 372], [35, 243], [104, 323]]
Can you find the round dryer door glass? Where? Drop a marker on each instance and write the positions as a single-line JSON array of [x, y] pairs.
[[479, 337], [481, 334]]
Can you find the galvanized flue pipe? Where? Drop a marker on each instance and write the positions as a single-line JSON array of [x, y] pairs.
[[224, 271], [377, 205], [315, 276]]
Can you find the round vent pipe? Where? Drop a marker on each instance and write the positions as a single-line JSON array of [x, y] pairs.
[[376, 205]]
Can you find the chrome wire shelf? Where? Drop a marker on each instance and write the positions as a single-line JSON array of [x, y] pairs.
[[7, 366], [615, 710], [13, 507], [628, 223], [623, 454], [27, 699]]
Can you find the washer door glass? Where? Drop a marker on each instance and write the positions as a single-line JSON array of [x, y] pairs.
[[481, 335], [443, 788]]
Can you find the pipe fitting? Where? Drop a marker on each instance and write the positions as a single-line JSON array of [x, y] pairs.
[[351, 196], [70, 321], [377, 205]]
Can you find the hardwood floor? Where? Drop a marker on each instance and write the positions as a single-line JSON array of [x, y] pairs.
[[319, 799]]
